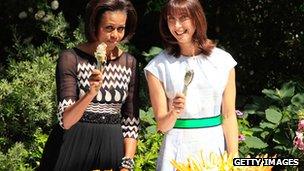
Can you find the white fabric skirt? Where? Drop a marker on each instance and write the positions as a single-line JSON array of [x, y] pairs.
[[180, 144]]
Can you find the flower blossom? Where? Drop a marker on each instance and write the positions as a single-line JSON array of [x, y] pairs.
[[241, 137], [100, 55], [301, 125], [298, 141], [239, 114]]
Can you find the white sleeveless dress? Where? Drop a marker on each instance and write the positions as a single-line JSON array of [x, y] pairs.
[[204, 98]]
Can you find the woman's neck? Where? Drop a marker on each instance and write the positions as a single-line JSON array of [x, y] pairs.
[[189, 49]]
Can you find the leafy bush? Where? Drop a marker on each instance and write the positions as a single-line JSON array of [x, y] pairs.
[[57, 28], [148, 143], [14, 159], [35, 149], [270, 123], [27, 99]]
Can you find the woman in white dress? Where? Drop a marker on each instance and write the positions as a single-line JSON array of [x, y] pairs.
[[202, 119]]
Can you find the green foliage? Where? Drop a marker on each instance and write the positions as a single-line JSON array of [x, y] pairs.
[[148, 143], [57, 28], [273, 116], [27, 100], [24, 50], [254, 142], [272, 122], [152, 53], [35, 149], [14, 159]]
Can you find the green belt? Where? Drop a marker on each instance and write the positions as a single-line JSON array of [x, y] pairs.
[[198, 122]]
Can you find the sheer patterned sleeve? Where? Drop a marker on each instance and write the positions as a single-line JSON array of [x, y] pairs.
[[66, 81], [130, 109]]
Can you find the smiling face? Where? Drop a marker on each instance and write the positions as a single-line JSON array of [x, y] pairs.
[[181, 27], [112, 28]]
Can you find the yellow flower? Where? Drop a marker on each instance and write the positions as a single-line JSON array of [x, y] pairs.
[[300, 114]]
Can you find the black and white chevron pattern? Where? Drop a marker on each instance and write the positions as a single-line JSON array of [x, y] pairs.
[[113, 108], [130, 127], [116, 76], [61, 107], [84, 71]]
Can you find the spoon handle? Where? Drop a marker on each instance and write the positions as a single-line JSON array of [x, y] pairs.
[[185, 90]]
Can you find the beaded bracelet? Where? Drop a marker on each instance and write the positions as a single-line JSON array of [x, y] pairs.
[[127, 163]]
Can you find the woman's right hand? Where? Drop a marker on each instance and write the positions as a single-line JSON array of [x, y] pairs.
[[178, 104], [95, 81]]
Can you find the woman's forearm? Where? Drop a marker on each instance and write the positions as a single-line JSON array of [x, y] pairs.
[[73, 113], [166, 122], [230, 126], [130, 147], [231, 133]]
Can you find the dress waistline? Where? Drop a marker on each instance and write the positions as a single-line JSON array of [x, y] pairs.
[[101, 118], [193, 123]]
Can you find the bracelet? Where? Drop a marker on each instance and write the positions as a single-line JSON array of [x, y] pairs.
[[127, 163]]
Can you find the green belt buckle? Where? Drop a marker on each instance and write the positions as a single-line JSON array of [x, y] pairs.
[[198, 122]]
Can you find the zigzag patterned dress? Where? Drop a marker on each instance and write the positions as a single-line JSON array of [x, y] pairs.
[[96, 141]]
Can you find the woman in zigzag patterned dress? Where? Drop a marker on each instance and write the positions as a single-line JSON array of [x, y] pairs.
[[98, 110]]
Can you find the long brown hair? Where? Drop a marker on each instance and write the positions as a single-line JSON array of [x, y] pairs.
[[96, 8], [195, 11]]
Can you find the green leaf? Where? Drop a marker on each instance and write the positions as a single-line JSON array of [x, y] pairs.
[[271, 94], [287, 90], [153, 51], [151, 129], [273, 116], [285, 118], [255, 142], [257, 129], [298, 99], [264, 125], [264, 134], [147, 116], [247, 133]]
